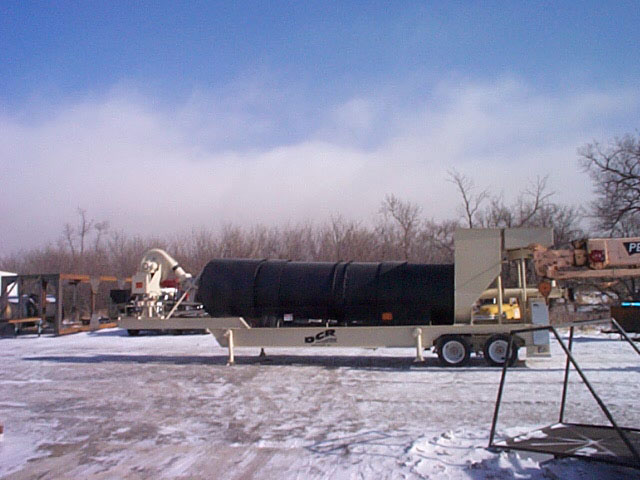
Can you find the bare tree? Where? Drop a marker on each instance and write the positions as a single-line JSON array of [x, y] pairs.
[[564, 219], [497, 214], [79, 239], [532, 200], [523, 212], [300, 242], [436, 241], [399, 232], [471, 201], [407, 217], [615, 173], [68, 234], [340, 236], [532, 208], [84, 228]]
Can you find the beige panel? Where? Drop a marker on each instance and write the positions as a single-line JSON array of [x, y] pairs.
[[478, 255], [186, 323], [523, 237], [619, 252], [243, 336], [391, 337]]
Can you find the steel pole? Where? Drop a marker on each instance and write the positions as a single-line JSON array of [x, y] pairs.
[[566, 379]]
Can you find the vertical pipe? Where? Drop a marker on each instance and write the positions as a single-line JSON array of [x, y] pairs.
[[43, 304], [418, 334], [566, 379], [22, 306], [58, 321], [229, 336], [525, 310], [500, 300], [94, 294], [76, 314], [524, 280]]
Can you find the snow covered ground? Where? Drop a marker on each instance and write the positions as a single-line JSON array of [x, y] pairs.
[[106, 406]]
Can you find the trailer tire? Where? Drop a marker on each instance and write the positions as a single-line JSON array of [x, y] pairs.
[[133, 333], [495, 350], [453, 351]]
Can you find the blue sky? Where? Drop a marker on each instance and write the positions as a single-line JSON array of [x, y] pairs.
[[326, 48], [310, 107]]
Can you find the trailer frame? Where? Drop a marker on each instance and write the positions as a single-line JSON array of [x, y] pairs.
[[232, 332]]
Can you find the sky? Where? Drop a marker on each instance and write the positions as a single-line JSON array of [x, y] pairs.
[[165, 117]]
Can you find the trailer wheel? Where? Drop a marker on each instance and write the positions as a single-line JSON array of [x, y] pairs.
[[495, 350], [133, 333], [453, 351]]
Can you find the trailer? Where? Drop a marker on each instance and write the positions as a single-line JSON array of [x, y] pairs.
[[277, 303]]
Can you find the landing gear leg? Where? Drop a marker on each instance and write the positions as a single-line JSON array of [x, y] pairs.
[[417, 333], [229, 335]]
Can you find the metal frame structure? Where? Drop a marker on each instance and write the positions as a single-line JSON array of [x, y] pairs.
[[56, 281], [617, 437]]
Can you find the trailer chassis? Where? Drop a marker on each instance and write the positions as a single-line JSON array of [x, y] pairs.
[[453, 343]]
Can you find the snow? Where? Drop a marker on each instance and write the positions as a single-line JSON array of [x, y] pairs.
[[103, 405]]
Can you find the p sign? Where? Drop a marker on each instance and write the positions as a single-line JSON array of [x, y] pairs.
[[632, 247]]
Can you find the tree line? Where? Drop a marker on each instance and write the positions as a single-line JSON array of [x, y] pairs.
[[399, 231]]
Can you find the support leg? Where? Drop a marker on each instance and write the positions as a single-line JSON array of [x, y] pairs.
[[229, 335], [417, 333]]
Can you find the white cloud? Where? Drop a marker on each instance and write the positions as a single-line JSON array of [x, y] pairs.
[[213, 160]]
